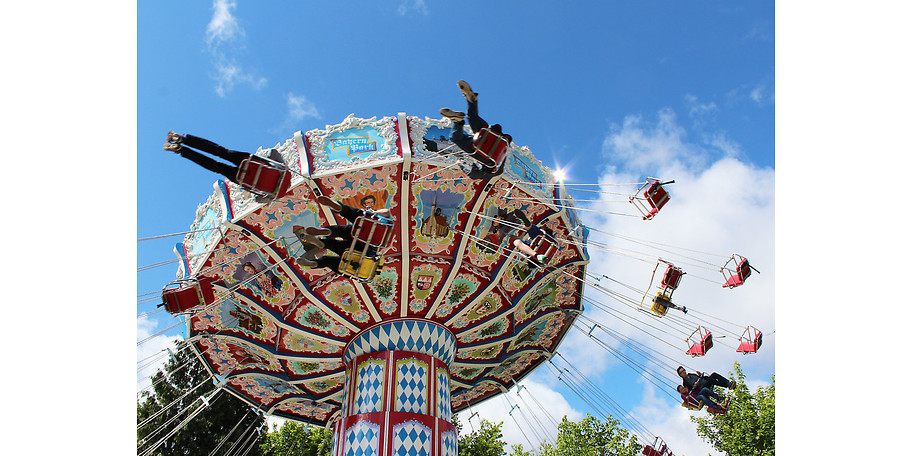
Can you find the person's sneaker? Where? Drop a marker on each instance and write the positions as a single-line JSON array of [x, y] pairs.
[[316, 231], [313, 240], [684, 309], [455, 116], [172, 147], [311, 251], [327, 201], [541, 258], [306, 263], [467, 92]]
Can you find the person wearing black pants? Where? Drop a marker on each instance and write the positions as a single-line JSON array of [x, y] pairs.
[[184, 145], [476, 123], [335, 238]]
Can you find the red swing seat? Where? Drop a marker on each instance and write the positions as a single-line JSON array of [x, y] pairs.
[[658, 448], [181, 296], [751, 339], [491, 148], [264, 177], [372, 231], [544, 245], [654, 194], [739, 275], [700, 342], [372, 236], [672, 277]]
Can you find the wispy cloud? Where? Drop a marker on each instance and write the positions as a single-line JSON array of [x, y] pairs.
[[700, 112], [230, 74], [299, 108], [223, 26], [152, 353], [760, 94], [224, 39], [418, 6]]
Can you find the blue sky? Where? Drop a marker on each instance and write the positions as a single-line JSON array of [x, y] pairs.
[[610, 92], [690, 91]]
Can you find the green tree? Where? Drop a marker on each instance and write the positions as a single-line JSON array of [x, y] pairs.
[[519, 451], [589, 437], [298, 439], [749, 426], [224, 416], [486, 441]]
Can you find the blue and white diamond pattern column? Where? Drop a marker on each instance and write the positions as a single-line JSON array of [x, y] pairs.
[[398, 391], [411, 386]]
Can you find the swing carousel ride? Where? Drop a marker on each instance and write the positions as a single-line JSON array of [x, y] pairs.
[[441, 312]]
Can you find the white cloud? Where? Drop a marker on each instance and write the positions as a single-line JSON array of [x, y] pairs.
[[412, 5], [223, 35], [223, 26], [300, 107], [699, 110], [229, 74], [151, 354], [539, 408]]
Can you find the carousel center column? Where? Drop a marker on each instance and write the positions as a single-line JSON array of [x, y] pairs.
[[397, 392]]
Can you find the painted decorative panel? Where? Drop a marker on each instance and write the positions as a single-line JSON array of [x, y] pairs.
[[369, 389], [362, 439], [411, 438], [411, 386]]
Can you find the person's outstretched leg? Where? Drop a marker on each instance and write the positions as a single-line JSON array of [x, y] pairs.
[[210, 147], [460, 138], [337, 246], [351, 214], [716, 379], [229, 171], [476, 123], [706, 395]]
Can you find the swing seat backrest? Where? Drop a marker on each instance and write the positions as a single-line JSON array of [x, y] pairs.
[[371, 231], [359, 267], [700, 348], [656, 195], [264, 176], [543, 244], [742, 272], [191, 294], [491, 146], [751, 344], [672, 277]]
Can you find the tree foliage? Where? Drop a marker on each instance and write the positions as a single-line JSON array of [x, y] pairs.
[[487, 440], [590, 437], [224, 416], [298, 439], [749, 426]]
